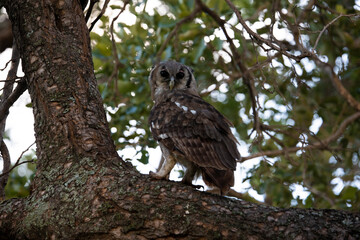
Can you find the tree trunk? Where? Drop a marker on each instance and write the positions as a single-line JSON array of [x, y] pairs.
[[84, 190]]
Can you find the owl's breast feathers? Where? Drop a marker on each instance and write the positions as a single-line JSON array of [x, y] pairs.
[[189, 126]]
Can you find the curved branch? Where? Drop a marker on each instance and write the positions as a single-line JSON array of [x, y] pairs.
[[18, 163], [335, 79], [337, 83], [188, 18], [327, 25], [100, 15], [8, 97], [8, 86], [322, 144], [258, 38], [117, 64], [18, 91], [89, 11]]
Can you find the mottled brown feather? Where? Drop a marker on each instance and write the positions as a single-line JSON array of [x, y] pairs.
[[203, 137]]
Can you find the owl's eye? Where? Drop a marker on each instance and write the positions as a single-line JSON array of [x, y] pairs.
[[164, 73], [180, 75]]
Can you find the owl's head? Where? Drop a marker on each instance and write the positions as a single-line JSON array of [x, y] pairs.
[[171, 76]]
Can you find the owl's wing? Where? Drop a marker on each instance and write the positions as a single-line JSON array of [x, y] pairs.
[[190, 126]]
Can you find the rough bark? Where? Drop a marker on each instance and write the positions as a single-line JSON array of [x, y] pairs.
[[83, 190]]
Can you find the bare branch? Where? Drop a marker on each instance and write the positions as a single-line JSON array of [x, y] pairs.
[[337, 83], [321, 144], [89, 11], [11, 80], [18, 91], [260, 39], [7, 99], [8, 87], [327, 25], [100, 15], [6, 64], [335, 79], [115, 55], [18, 163]]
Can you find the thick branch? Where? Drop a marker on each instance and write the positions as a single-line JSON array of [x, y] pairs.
[[135, 207]]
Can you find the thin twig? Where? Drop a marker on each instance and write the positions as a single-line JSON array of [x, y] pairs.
[[6, 64], [314, 190], [115, 55], [18, 163], [260, 39], [11, 80], [188, 18], [327, 25]]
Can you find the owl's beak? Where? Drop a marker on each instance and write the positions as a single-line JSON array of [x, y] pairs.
[[171, 83]]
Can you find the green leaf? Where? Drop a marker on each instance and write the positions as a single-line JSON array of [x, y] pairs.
[[199, 50]]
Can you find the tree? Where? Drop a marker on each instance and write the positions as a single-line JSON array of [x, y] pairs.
[[83, 189]]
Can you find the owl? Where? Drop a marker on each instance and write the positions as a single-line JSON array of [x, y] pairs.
[[190, 131]]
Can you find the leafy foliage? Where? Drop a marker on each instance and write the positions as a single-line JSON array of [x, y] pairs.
[[293, 96]]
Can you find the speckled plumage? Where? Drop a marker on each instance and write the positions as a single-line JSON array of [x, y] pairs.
[[189, 130]]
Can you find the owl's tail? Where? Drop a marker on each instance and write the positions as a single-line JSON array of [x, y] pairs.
[[222, 179]]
